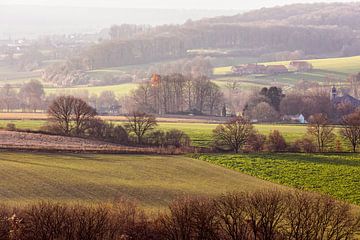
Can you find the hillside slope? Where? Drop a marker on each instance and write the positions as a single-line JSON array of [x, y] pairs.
[[153, 181]]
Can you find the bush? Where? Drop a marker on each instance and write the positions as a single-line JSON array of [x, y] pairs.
[[172, 138], [10, 127], [255, 142], [100, 130], [264, 215], [156, 138], [276, 142], [306, 145], [190, 218], [177, 138]]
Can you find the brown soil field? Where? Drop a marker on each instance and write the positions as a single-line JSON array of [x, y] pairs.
[[23, 141]]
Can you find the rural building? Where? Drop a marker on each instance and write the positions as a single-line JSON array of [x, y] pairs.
[[249, 69], [276, 69], [299, 118], [301, 66], [346, 99]]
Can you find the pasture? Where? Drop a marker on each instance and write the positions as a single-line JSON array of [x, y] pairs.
[[334, 174], [153, 181], [120, 90], [334, 69], [200, 133]]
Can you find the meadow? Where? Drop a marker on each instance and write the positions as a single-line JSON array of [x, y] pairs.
[[335, 69], [153, 181], [200, 133], [335, 174], [120, 90]]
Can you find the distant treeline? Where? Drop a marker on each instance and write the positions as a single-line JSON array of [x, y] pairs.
[[314, 29]]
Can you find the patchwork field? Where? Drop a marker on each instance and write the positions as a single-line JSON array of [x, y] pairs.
[[153, 181], [334, 174], [334, 69]]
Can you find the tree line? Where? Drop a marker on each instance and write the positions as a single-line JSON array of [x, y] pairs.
[[238, 134], [31, 97], [262, 215], [178, 94], [71, 116]]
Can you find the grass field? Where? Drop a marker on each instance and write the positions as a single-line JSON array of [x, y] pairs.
[[153, 181], [337, 69], [200, 133], [337, 175], [120, 90]]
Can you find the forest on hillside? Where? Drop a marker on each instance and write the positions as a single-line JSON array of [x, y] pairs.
[[314, 29]]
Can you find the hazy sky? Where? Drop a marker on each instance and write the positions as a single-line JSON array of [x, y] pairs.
[[199, 4]]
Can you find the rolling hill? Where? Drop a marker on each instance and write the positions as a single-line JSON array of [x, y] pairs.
[[153, 181]]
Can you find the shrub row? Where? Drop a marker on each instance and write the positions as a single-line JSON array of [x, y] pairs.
[[262, 215]]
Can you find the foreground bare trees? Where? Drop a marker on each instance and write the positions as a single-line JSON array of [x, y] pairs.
[[265, 215]]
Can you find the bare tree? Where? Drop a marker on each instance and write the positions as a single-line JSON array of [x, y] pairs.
[[351, 129], [32, 94], [82, 114], [7, 97], [139, 124], [233, 134], [60, 112], [70, 115], [321, 130]]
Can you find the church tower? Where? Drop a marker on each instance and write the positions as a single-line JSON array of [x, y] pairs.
[[333, 93]]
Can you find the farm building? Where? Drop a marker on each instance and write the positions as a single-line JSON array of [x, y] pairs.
[[301, 66], [249, 69], [276, 69], [299, 118]]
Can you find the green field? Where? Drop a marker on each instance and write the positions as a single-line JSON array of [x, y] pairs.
[[120, 90], [337, 175], [153, 181], [337, 69], [200, 133]]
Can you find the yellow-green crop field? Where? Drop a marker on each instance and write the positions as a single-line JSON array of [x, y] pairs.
[[153, 181]]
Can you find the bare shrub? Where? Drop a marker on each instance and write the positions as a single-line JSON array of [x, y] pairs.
[[303, 145], [233, 134], [130, 222], [255, 142], [156, 138], [190, 218], [5, 224], [177, 138], [47, 221], [266, 211], [233, 216], [311, 216], [321, 130], [10, 127], [139, 124], [276, 142]]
